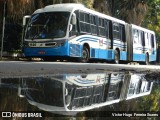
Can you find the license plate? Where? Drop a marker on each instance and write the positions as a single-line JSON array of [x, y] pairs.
[[41, 52]]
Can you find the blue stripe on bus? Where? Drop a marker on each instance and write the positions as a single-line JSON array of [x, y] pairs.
[[82, 38], [86, 82], [152, 57], [142, 57], [139, 57], [102, 54], [140, 48], [96, 40], [119, 45], [123, 55], [88, 40]]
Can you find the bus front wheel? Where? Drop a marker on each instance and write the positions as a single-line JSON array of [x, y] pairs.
[[85, 55]]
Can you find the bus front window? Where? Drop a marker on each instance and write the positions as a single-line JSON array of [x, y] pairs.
[[48, 25]]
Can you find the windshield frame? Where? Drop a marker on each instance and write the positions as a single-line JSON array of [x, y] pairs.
[[36, 36]]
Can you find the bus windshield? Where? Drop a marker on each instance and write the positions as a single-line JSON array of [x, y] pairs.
[[48, 25], [45, 91]]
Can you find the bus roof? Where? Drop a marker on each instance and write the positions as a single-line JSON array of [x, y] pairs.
[[143, 29], [70, 7], [60, 7]]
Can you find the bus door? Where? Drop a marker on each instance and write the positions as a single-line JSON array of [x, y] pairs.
[[123, 50], [152, 47], [116, 36], [137, 46], [147, 43], [119, 40], [142, 41], [150, 43]]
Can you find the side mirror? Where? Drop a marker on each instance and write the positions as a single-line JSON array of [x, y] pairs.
[[70, 27], [74, 19], [25, 19]]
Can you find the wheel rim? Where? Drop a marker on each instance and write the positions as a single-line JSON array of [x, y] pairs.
[[85, 55]]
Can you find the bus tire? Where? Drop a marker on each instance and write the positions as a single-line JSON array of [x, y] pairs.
[[147, 60], [116, 57], [85, 55]]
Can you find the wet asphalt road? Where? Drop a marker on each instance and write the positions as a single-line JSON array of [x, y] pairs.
[[27, 68]]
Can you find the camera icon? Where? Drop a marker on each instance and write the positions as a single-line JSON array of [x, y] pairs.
[[6, 114]]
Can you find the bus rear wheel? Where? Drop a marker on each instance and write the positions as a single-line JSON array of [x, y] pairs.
[[116, 57], [85, 55]]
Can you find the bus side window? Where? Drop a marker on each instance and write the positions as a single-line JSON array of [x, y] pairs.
[[87, 22], [107, 29], [122, 33], [74, 30], [146, 39], [82, 16], [93, 25], [152, 40], [116, 31], [110, 30], [101, 27], [81, 24], [135, 36], [84, 22], [139, 37], [78, 17], [142, 38]]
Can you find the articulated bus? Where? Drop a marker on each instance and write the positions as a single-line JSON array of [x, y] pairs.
[[64, 31]]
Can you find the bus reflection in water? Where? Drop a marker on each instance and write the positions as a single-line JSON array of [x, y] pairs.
[[72, 93]]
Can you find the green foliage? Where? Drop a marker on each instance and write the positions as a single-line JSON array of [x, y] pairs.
[[152, 19], [103, 6], [133, 11], [151, 102], [87, 3]]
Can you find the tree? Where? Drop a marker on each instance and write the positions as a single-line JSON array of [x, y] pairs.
[[151, 102], [16, 9], [152, 19], [133, 11], [103, 6]]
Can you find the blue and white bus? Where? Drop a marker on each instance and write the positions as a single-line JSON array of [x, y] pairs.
[[71, 30]]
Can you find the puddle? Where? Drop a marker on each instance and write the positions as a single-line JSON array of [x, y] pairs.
[[69, 94]]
